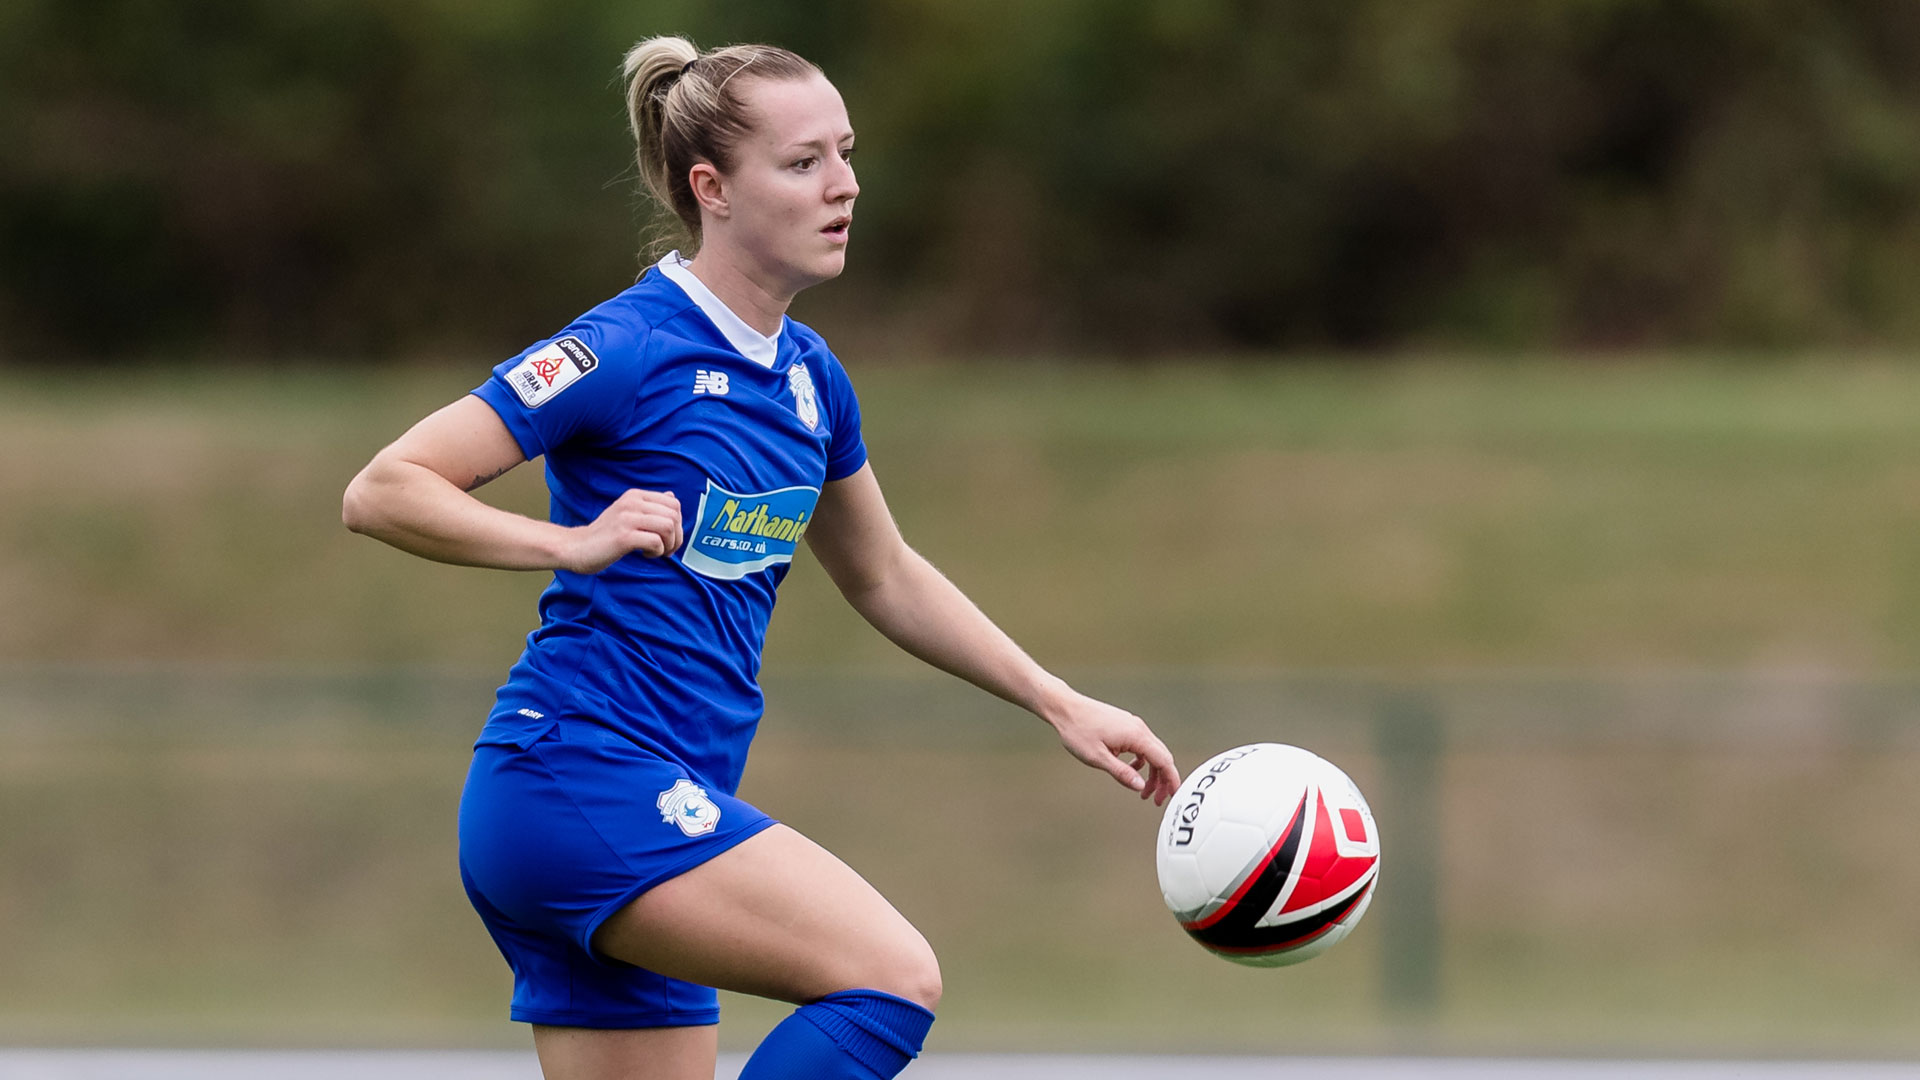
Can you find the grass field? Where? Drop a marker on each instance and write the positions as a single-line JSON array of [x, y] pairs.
[[194, 855], [1388, 516], [232, 735]]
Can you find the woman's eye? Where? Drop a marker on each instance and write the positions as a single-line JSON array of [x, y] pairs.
[[847, 154], [804, 164]]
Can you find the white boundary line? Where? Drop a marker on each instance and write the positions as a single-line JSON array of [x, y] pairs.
[[520, 1065]]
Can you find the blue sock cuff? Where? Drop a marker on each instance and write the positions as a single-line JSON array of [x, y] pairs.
[[877, 1029]]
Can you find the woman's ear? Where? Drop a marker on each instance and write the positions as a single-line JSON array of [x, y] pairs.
[[709, 189]]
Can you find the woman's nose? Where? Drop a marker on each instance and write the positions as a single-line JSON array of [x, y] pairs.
[[843, 185]]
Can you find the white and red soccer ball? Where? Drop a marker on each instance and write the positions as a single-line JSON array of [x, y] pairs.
[[1268, 855]]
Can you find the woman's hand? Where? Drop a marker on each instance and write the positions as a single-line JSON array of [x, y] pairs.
[[905, 598], [644, 521], [1117, 741]]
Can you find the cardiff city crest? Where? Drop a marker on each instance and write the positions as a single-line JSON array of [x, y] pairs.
[[686, 804], [804, 401]]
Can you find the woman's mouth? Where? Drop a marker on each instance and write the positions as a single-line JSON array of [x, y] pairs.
[[837, 228]]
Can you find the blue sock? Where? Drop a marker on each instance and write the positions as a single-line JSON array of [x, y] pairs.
[[851, 1035]]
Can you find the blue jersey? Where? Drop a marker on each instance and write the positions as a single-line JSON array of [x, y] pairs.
[[663, 388]]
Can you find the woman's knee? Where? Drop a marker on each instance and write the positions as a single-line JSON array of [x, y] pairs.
[[923, 978], [910, 971]]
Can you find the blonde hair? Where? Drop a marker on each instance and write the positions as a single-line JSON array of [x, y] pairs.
[[684, 107]]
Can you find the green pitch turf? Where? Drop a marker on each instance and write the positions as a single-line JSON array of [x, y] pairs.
[[1384, 515]]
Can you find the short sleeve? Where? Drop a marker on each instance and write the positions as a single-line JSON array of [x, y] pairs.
[[846, 450], [580, 386]]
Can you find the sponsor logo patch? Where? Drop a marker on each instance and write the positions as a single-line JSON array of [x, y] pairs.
[[550, 369], [710, 382], [805, 403], [686, 804], [736, 534]]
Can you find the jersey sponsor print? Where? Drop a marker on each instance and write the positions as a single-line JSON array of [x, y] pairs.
[[735, 534]]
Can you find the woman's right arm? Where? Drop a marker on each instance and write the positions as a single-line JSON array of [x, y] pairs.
[[415, 495]]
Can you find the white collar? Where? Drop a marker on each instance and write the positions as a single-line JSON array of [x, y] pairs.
[[747, 341]]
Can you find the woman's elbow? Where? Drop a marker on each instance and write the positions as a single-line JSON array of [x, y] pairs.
[[866, 583], [359, 505]]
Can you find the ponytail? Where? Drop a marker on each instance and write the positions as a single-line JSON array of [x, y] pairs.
[[651, 68], [684, 107]]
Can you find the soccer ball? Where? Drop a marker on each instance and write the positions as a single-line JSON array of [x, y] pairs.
[[1268, 855]]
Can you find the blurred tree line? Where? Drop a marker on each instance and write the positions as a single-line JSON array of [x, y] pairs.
[[274, 178]]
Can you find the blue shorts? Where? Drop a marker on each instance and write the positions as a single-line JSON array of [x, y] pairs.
[[557, 835]]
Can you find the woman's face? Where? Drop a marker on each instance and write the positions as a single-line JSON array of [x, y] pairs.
[[789, 196]]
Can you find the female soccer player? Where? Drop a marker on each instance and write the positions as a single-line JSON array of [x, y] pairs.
[[693, 433]]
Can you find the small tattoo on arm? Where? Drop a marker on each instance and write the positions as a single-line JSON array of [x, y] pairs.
[[480, 481]]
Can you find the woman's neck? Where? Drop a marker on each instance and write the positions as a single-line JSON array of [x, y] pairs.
[[729, 279]]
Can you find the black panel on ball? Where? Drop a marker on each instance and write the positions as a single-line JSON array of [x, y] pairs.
[[1291, 935], [1232, 928]]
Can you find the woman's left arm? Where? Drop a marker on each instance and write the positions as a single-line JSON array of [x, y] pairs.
[[918, 609]]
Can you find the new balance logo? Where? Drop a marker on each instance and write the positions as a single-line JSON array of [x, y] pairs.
[[710, 382]]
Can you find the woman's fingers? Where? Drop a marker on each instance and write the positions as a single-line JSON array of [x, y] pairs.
[[1165, 774], [1122, 745], [1122, 771], [647, 542], [1152, 764], [644, 521], [652, 521], [663, 514], [655, 534], [1139, 774]]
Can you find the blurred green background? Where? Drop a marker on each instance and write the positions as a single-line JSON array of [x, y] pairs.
[[1514, 403], [383, 177]]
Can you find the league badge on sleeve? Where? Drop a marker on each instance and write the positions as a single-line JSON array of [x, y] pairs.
[[805, 402], [686, 804], [550, 369]]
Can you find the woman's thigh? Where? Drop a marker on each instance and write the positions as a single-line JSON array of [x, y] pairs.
[[776, 916], [670, 1053]]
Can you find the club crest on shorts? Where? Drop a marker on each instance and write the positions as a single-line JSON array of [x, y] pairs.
[[686, 804], [805, 403]]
